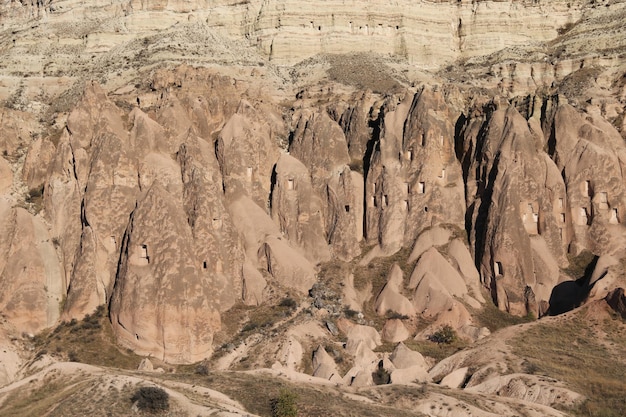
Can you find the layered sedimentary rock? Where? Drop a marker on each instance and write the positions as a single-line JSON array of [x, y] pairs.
[[427, 32]]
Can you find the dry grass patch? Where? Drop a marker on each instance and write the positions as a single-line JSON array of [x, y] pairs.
[[90, 341], [494, 319], [590, 358], [255, 392]]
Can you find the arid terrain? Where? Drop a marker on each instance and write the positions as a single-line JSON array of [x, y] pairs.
[[352, 208]]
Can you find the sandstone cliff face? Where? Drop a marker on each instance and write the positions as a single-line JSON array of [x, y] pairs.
[[517, 203], [160, 304], [429, 33], [31, 282], [414, 180]]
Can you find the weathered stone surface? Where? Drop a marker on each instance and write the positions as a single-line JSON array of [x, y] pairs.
[[324, 366], [403, 357], [161, 305], [40, 154], [394, 331], [362, 336], [298, 210], [6, 176], [526, 387], [31, 281], [246, 154], [591, 154], [390, 298], [454, 379], [218, 251], [319, 142], [435, 283], [265, 247], [414, 180], [515, 197], [145, 365], [436, 236]]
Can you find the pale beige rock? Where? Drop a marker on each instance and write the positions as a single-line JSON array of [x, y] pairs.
[[390, 297], [298, 210], [529, 388], [525, 198], [31, 281], [246, 154], [320, 144], [145, 365], [324, 365], [364, 357], [15, 130], [402, 357], [264, 244], [161, 305], [413, 374], [394, 331], [40, 155], [351, 297], [253, 284], [606, 277], [359, 334], [6, 176], [10, 360], [454, 379], [436, 236], [435, 283], [590, 153], [460, 255], [359, 377], [218, 250], [344, 218], [291, 353], [415, 180]]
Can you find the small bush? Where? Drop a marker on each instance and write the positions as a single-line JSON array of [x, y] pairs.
[[285, 404], [202, 369], [392, 315], [151, 399], [349, 313], [381, 376], [445, 335], [288, 302]]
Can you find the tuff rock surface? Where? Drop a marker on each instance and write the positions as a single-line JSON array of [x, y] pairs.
[[281, 185]]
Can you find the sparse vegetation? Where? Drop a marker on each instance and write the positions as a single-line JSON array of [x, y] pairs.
[[587, 354], [446, 335], [578, 264], [438, 351], [89, 340], [285, 404], [494, 319], [381, 376]]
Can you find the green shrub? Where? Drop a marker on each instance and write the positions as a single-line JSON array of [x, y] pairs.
[[445, 335], [151, 399], [285, 404]]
